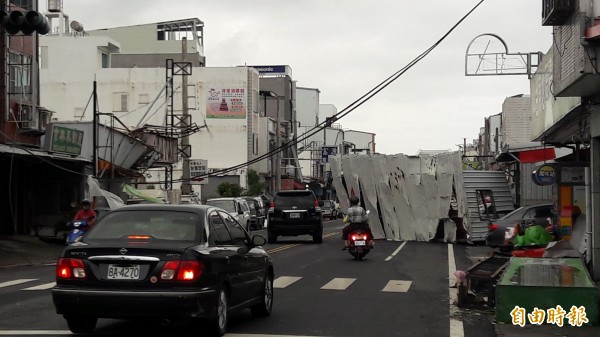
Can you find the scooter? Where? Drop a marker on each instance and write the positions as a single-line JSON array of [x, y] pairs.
[[358, 244], [77, 229]]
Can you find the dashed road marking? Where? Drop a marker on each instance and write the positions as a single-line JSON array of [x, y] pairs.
[[395, 252], [397, 286], [339, 284], [42, 286], [34, 332], [285, 281], [15, 282]]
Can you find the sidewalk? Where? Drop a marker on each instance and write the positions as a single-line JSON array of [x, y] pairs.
[[26, 250]]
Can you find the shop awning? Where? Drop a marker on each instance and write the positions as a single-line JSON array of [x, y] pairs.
[[527, 154], [535, 156]]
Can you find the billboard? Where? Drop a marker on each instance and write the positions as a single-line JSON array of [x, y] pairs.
[[226, 101]]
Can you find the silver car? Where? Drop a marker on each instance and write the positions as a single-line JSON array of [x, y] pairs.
[[236, 207]]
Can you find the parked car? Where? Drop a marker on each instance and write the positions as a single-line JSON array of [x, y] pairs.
[[237, 208], [329, 210], [262, 210], [497, 228], [294, 213], [256, 219], [163, 262]]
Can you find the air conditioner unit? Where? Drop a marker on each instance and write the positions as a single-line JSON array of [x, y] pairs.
[[28, 117], [45, 118]]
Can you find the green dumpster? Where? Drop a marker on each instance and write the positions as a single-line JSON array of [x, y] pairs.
[[545, 284]]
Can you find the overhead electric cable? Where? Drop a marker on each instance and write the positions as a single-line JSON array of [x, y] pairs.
[[357, 103]]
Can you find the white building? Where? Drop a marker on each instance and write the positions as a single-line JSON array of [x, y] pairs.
[[128, 64]]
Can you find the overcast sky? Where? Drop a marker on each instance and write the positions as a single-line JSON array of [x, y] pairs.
[[345, 47]]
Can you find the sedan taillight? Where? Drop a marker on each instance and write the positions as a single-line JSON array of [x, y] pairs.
[[70, 269], [181, 271]]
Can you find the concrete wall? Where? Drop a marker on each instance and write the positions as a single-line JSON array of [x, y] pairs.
[[143, 39], [361, 140], [516, 120], [307, 107]]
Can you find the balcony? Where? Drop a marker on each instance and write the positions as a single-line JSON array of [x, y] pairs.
[[557, 12]]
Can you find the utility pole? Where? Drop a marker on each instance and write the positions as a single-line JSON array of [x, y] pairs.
[[95, 129], [278, 154], [186, 187]]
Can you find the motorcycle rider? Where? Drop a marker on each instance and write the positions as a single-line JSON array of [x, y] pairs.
[[357, 218], [86, 213]]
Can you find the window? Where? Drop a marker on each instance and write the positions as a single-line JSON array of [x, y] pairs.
[[486, 204], [219, 236], [120, 102], [254, 143], [19, 68], [159, 225], [144, 98], [105, 63], [238, 235], [228, 205]]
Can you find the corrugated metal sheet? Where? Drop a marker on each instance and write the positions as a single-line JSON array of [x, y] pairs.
[[532, 194], [502, 198]]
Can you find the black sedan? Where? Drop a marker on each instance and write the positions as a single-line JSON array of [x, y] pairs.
[[167, 262]]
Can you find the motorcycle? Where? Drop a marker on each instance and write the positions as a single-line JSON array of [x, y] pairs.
[[358, 244], [77, 229]]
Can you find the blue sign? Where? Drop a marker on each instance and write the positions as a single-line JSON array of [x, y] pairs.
[[273, 70], [545, 175]]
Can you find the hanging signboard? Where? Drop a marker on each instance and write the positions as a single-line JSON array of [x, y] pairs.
[[545, 175], [198, 167], [66, 140]]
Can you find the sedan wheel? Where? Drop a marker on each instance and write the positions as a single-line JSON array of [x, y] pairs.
[[266, 305], [81, 324], [219, 323]]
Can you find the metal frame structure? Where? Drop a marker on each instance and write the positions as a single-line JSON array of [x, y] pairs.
[[502, 62]]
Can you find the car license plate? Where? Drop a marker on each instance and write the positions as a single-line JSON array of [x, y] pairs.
[[294, 215], [116, 272], [359, 243]]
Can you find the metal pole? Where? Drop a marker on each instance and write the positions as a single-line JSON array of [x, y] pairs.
[[95, 130], [278, 155], [186, 187]]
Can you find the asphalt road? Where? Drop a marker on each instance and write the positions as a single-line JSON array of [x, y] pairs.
[[400, 289]]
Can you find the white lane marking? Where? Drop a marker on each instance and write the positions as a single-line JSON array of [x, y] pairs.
[[339, 284], [67, 332], [395, 252], [397, 286], [456, 326], [15, 282], [285, 281], [259, 335], [42, 286], [34, 332]]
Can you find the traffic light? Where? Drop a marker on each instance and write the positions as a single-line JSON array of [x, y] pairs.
[[25, 22]]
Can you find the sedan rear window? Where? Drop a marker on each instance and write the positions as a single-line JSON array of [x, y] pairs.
[[228, 205], [159, 225], [294, 198]]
